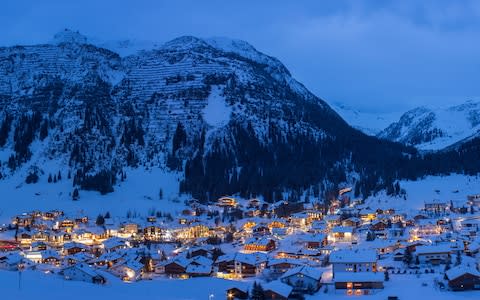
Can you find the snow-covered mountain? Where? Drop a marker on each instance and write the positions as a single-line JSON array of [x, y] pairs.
[[371, 123], [218, 114], [228, 117], [434, 129]]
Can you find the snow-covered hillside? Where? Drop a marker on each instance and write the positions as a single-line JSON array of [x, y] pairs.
[[371, 123], [455, 188], [434, 129]]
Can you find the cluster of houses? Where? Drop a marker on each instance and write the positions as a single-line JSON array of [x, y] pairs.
[[282, 250]]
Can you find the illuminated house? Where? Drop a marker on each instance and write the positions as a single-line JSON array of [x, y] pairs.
[[341, 234], [152, 232], [433, 254], [227, 202], [303, 279], [353, 261], [259, 244], [436, 206], [314, 241], [238, 265], [361, 283], [83, 272]]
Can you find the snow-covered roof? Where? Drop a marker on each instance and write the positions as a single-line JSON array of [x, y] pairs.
[[422, 250], [199, 269], [342, 229], [353, 256], [460, 270], [278, 287], [305, 271]]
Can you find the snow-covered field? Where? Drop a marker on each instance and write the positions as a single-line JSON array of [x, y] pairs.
[[455, 187], [138, 193], [35, 284]]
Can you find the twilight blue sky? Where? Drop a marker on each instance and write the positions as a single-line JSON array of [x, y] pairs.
[[372, 55]]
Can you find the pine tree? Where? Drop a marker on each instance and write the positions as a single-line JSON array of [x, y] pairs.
[[458, 259], [386, 275], [100, 220], [370, 236], [160, 194], [407, 256], [49, 178], [107, 215], [75, 194], [257, 292], [59, 176]]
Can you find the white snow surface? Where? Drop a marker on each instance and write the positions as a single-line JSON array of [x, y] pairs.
[[139, 194], [217, 112], [370, 123], [456, 123], [455, 188]]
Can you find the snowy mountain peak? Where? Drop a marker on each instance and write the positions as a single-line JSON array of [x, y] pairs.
[[434, 129], [69, 36]]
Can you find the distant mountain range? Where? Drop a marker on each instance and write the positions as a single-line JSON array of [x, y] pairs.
[[422, 127]]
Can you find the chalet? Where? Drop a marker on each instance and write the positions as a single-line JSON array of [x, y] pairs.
[[71, 248], [11, 261], [176, 267], [461, 278], [361, 283], [436, 206], [227, 202], [318, 227], [259, 244], [351, 222], [332, 220], [241, 264], [52, 215], [261, 229], [353, 261], [433, 254], [237, 293], [473, 200], [341, 234], [152, 232], [378, 225], [192, 231], [399, 255], [277, 290], [130, 270], [83, 272], [108, 259], [299, 219], [129, 229], [368, 215], [114, 244], [303, 279], [470, 225], [199, 266], [281, 265], [24, 220], [76, 258], [38, 246], [314, 241]]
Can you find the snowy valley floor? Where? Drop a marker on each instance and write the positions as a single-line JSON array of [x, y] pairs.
[[35, 285]]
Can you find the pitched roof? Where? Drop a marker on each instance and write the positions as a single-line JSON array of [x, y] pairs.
[[460, 270], [278, 287], [353, 256], [305, 271]]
